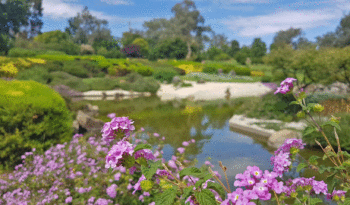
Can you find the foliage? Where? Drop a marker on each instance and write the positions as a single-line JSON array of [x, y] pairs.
[[63, 78], [153, 55], [77, 68], [172, 49], [28, 123], [257, 73], [143, 44], [285, 37], [266, 79], [180, 71], [234, 48], [137, 83], [164, 75], [143, 70], [8, 70], [86, 50], [222, 57], [132, 51], [258, 50], [86, 29], [129, 37], [213, 52], [37, 73], [119, 71], [20, 52], [242, 55], [56, 36], [103, 83], [6, 43], [210, 69]]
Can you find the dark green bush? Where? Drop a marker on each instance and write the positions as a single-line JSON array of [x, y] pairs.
[[144, 70], [164, 75], [222, 57], [54, 66], [242, 71], [37, 73], [210, 69], [138, 83], [22, 52], [266, 79], [76, 68], [31, 116], [100, 83], [63, 78], [152, 55], [344, 134], [180, 71]]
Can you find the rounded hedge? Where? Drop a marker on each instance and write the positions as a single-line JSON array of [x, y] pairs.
[[32, 115]]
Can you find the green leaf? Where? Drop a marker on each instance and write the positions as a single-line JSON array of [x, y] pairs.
[[199, 183], [294, 103], [301, 96], [301, 166], [313, 159], [218, 188], [142, 146], [142, 161], [315, 201], [308, 130], [205, 197], [190, 171], [148, 172], [167, 197], [331, 123], [188, 191]]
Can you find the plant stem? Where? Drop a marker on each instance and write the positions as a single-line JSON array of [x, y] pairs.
[[278, 202], [217, 179]]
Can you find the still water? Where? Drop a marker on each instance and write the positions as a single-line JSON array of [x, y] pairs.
[[207, 123]]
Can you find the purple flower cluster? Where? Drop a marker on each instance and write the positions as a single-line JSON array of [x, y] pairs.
[[122, 124], [281, 161], [308, 184], [115, 156], [286, 86]]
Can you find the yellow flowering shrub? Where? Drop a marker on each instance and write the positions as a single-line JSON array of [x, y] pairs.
[[37, 60], [189, 68], [8, 70], [21, 63], [257, 73]]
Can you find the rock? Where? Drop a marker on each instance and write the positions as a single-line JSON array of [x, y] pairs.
[[76, 126], [278, 138], [220, 71], [232, 73], [203, 62], [201, 81], [335, 88], [176, 80], [89, 123], [91, 110]]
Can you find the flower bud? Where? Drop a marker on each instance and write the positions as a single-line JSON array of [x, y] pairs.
[[294, 150], [336, 198], [301, 114], [318, 108], [294, 194]]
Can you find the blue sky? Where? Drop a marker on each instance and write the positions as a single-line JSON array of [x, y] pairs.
[[241, 20]]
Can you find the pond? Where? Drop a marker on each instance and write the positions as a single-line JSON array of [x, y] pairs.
[[207, 123]]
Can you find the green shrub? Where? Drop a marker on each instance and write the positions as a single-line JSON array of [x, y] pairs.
[[32, 116], [344, 134], [164, 75], [222, 57], [180, 71], [266, 79], [144, 70], [56, 57], [100, 83], [210, 69], [153, 55], [63, 78], [118, 71], [115, 53], [102, 51], [37, 73], [138, 83], [75, 68], [242, 71], [21, 52], [54, 66], [54, 53]]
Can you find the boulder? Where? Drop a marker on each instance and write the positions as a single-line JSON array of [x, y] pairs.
[[232, 73], [220, 71], [278, 138], [335, 88], [88, 123], [176, 80], [201, 81], [91, 110]]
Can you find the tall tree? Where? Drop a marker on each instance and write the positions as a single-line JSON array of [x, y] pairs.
[[35, 21], [220, 41], [258, 50], [343, 32], [285, 37], [85, 28], [234, 48], [327, 40], [130, 36]]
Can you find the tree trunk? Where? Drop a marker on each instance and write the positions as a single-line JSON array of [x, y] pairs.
[[189, 51]]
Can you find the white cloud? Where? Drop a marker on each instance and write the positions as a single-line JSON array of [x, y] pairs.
[[118, 2], [62, 10], [267, 24]]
